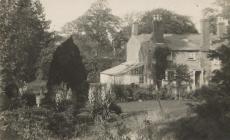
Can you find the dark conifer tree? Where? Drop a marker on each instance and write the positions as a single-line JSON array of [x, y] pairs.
[[67, 67]]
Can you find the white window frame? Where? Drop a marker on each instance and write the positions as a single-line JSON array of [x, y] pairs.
[[192, 56]]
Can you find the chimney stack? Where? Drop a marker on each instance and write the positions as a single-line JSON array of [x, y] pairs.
[[221, 27], [158, 31], [205, 29], [135, 29]]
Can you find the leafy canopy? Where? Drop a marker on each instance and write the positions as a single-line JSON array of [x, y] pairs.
[[23, 35], [98, 24], [173, 23]]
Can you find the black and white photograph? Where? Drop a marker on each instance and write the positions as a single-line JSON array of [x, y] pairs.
[[114, 69]]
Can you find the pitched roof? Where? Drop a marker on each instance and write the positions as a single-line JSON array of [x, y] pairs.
[[122, 68], [176, 42], [184, 42]]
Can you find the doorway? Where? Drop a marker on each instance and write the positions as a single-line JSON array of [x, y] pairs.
[[197, 79]]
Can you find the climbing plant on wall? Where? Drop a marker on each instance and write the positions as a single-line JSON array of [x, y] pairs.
[[161, 63]]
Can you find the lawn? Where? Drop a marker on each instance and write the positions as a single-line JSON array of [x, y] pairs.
[[135, 113], [173, 107]]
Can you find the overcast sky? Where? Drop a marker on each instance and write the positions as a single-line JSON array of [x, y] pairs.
[[63, 11]]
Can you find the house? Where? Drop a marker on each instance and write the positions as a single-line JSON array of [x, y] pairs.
[[187, 49]]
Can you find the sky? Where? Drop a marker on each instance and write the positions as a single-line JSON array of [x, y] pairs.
[[62, 11]]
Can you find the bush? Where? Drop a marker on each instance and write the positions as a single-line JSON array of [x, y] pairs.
[[115, 108], [26, 124], [142, 94], [29, 99], [11, 90], [122, 93], [211, 120], [39, 124], [214, 103], [102, 102], [62, 124], [131, 93], [118, 132]]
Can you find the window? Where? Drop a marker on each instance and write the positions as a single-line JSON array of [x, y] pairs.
[[171, 75], [192, 56], [137, 71], [141, 79]]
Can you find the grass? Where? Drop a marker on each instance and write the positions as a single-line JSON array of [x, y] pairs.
[[136, 113], [174, 107]]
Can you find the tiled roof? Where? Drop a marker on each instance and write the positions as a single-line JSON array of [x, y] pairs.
[[184, 42], [177, 42]]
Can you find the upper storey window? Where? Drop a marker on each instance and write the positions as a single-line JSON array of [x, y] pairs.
[[192, 56]]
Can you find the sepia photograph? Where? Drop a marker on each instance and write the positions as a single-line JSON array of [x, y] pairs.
[[114, 69]]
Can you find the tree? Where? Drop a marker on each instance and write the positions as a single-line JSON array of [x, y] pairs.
[[25, 34], [173, 23], [67, 67], [99, 24], [211, 14], [158, 69], [215, 106], [46, 56], [182, 78], [222, 77], [160, 57], [225, 5]]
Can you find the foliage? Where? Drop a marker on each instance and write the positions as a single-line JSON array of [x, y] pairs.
[[32, 123], [67, 67], [224, 4], [4, 102], [216, 97], [222, 77], [182, 75], [122, 93], [213, 110], [211, 14], [173, 23], [149, 132], [46, 56], [102, 102], [11, 90], [193, 128], [127, 93], [29, 99], [99, 24], [27, 124], [161, 64], [25, 33], [120, 133], [214, 101], [96, 65], [143, 94]]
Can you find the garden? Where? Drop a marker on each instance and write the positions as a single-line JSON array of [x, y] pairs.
[[50, 86]]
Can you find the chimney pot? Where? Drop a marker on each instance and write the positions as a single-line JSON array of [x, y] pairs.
[[221, 26], [158, 30], [135, 29], [205, 34]]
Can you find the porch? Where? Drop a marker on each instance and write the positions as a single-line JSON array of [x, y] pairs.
[[198, 78]]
